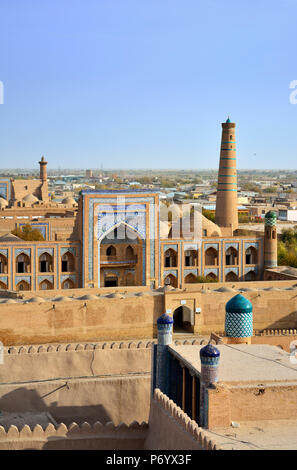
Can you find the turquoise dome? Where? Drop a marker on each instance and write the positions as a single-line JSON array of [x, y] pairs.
[[239, 304], [239, 317], [270, 215], [228, 120]]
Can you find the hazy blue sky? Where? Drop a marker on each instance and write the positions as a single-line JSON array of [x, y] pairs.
[[147, 83]]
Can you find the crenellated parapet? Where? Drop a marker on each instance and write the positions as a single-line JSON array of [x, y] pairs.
[[202, 437], [74, 436]]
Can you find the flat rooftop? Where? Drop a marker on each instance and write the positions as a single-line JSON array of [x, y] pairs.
[[257, 435], [255, 363]]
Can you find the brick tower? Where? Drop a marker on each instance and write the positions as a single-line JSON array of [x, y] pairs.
[[226, 206], [270, 240], [43, 172]]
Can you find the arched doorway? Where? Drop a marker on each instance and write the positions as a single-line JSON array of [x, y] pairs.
[[231, 277], [111, 281], [183, 320], [23, 285], [251, 255], [45, 285], [170, 258], [211, 257], [124, 255], [170, 280], [250, 276], [190, 278], [67, 284]]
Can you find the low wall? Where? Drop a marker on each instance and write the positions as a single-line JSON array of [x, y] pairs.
[[70, 320], [128, 314], [275, 308], [75, 437], [172, 429], [251, 403], [107, 382], [280, 338]]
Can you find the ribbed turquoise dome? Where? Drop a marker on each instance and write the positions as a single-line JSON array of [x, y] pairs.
[[239, 304]]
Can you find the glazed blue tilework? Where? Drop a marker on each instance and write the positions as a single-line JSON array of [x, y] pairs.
[[211, 245], [115, 199], [22, 278], [4, 252], [71, 249], [68, 276], [239, 325], [210, 361], [191, 271], [252, 268], [49, 251], [234, 270], [248, 244], [171, 271], [211, 270], [26, 251], [167, 247], [4, 279], [45, 277], [232, 245]]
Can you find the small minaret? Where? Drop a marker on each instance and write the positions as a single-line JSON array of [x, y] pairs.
[[226, 205], [43, 172], [239, 320], [209, 357], [270, 240], [161, 354]]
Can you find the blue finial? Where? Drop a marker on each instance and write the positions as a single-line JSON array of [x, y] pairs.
[[209, 351], [165, 319], [228, 120]]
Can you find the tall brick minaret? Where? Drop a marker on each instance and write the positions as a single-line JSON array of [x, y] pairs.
[[43, 189], [226, 206], [43, 172]]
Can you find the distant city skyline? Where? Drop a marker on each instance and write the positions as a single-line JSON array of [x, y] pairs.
[[140, 85]]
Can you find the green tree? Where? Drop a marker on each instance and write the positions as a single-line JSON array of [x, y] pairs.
[[28, 233]]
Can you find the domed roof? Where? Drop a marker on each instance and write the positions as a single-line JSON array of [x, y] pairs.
[[209, 351], [30, 198], [239, 304], [69, 201], [36, 299], [165, 319], [270, 218], [62, 299]]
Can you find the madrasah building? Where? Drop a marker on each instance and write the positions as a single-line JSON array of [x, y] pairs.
[[115, 238]]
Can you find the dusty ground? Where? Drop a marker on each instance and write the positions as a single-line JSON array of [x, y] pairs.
[[258, 435]]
